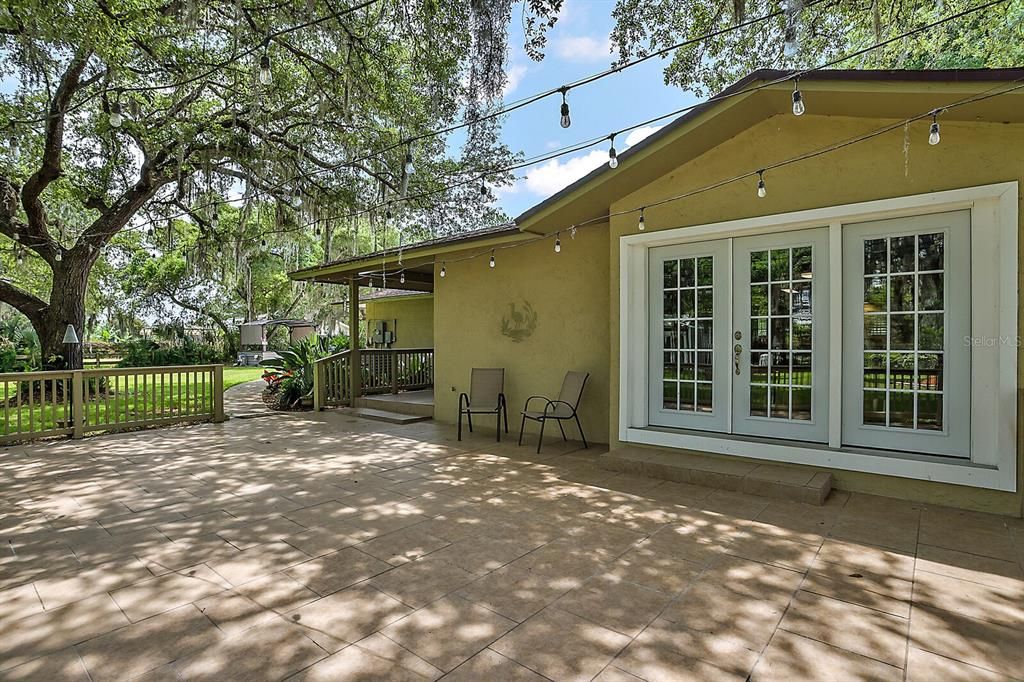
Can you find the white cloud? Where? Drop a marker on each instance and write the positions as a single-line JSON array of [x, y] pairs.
[[515, 77], [583, 48], [553, 175], [640, 133]]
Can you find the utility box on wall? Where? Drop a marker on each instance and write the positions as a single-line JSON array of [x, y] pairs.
[[382, 332]]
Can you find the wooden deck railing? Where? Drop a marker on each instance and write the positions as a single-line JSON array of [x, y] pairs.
[[41, 404], [381, 370]]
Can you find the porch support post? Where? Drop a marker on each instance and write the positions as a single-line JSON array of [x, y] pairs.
[[356, 372]]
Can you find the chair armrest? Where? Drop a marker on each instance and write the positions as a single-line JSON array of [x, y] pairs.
[[461, 397], [552, 403], [526, 407]]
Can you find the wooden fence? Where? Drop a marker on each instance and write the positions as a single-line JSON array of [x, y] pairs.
[[381, 370], [76, 403]]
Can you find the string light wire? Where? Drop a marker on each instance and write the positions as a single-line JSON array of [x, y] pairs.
[[600, 220]]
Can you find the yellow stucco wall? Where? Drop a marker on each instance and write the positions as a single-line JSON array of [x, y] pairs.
[[970, 154], [569, 294], [414, 315]]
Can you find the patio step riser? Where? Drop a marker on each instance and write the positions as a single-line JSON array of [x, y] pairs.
[[391, 404], [385, 416], [767, 480]]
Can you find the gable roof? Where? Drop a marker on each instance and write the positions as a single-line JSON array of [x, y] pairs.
[[889, 93]]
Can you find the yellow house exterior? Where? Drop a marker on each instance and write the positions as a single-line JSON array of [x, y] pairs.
[[539, 313], [413, 317]]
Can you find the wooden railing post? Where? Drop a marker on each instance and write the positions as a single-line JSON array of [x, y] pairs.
[[77, 403], [319, 387], [394, 370], [356, 374], [218, 393]]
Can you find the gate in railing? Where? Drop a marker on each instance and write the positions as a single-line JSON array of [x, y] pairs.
[[75, 403], [381, 370]]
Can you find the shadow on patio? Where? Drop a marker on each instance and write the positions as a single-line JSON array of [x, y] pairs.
[[327, 547]]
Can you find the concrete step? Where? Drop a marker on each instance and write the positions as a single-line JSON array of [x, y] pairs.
[[385, 415], [780, 481], [393, 403]]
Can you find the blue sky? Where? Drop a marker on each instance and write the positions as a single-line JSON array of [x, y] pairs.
[[578, 46]]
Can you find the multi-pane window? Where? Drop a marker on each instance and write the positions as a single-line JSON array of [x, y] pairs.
[[904, 323], [688, 334], [781, 291]]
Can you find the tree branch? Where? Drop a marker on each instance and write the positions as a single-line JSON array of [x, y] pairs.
[[28, 304]]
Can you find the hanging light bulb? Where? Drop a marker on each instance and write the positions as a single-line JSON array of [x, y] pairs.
[[409, 168], [266, 77], [492, 259], [565, 121], [296, 199], [761, 189], [558, 242], [57, 255], [215, 218], [572, 232], [115, 115], [20, 258], [613, 157], [641, 225], [798, 99], [401, 278], [933, 131], [442, 273]]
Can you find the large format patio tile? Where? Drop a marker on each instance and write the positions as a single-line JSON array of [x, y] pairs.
[[388, 552], [561, 646]]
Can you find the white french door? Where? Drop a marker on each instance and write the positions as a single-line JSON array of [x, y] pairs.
[[739, 338], [780, 335]]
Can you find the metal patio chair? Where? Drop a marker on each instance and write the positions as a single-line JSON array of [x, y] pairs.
[[486, 396], [560, 409]]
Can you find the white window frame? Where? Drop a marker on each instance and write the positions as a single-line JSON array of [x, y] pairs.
[[993, 456]]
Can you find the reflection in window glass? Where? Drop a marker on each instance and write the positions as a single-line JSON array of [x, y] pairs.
[[904, 331], [688, 341], [780, 324]]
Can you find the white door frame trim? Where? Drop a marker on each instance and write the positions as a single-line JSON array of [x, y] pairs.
[[994, 226]]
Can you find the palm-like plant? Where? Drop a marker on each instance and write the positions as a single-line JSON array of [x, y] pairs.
[[290, 377]]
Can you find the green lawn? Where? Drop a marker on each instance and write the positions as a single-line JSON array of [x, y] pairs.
[[239, 375]]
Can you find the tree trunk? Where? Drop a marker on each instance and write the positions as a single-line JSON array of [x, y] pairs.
[[67, 306]]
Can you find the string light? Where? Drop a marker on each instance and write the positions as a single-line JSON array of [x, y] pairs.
[[558, 242], [296, 199], [798, 99], [492, 258], [572, 232], [761, 189], [613, 157], [215, 218], [266, 77], [565, 121], [933, 130], [641, 225], [409, 168], [115, 115], [57, 255], [442, 270], [401, 278]]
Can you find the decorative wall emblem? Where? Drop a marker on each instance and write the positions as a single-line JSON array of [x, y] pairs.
[[519, 323]]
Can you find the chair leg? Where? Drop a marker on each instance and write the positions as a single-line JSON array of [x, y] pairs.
[[562, 430], [540, 439], [469, 418], [460, 424], [580, 427], [497, 424], [504, 409], [521, 428]]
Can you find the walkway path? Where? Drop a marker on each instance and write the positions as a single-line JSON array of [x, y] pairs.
[[245, 400]]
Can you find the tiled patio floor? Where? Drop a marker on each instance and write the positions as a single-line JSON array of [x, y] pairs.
[[326, 547]]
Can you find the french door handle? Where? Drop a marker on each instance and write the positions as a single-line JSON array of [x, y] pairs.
[[737, 352]]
